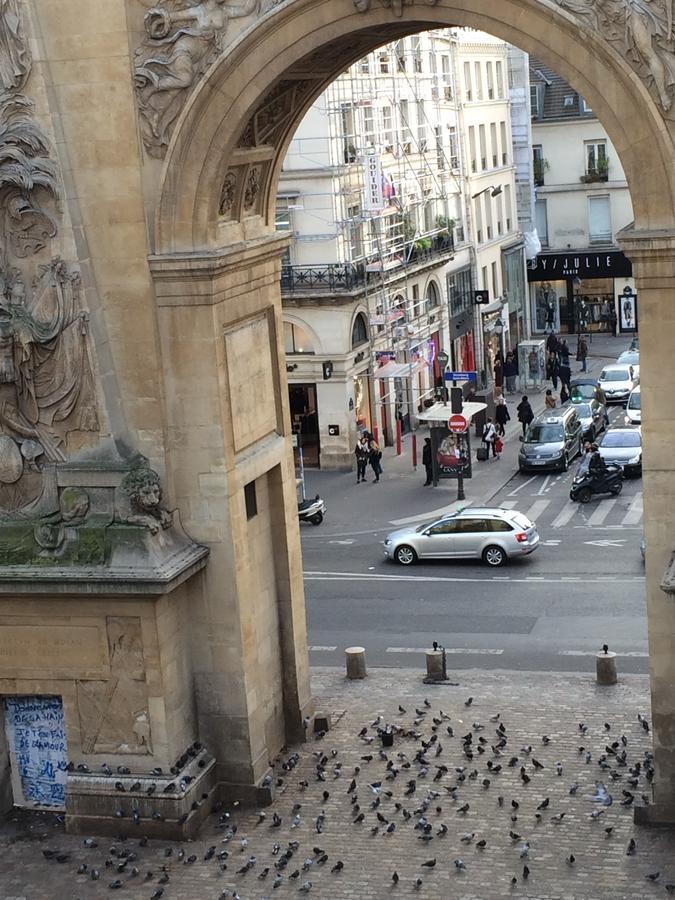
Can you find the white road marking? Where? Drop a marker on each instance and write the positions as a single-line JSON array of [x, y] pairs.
[[544, 485], [639, 654], [616, 544], [530, 579], [536, 509], [521, 486], [344, 543], [485, 651], [567, 513], [635, 510], [603, 510], [508, 504], [318, 648]]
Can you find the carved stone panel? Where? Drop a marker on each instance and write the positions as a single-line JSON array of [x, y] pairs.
[[396, 6], [250, 380], [229, 192], [182, 40], [114, 716], [252, 188], [642, 32], [15, 58], [276, 112]]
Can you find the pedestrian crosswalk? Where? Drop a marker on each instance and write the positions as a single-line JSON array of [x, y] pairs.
[[607, 512]]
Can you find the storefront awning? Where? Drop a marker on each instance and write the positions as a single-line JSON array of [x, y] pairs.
[[441, 413], [399, 370]]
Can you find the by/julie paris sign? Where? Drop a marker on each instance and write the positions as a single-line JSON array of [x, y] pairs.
[[549, 266]]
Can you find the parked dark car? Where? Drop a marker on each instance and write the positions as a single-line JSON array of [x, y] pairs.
[[551, 440], [623, 447]]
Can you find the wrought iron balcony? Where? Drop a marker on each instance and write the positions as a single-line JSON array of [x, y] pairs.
[[337, 277]]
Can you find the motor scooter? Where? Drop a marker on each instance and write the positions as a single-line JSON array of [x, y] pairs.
[[312, 510], [586, 483]]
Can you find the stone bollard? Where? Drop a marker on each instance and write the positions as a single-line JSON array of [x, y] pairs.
[[356, 662], [605, 667], [435, 665]]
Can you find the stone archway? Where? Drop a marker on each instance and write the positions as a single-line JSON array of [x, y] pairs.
[[170, 132], [218, 185]]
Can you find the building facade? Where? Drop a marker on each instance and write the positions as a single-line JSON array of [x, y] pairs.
[[580, 280], [388, 247]]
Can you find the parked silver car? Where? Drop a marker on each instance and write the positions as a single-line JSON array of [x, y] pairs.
[[492, 535], [623, 446], [617, 381]]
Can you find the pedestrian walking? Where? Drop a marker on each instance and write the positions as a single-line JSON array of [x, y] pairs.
[[498, 369], [549, 399], [565, 375], [501, 415], [374, 457], [426, 461], [362, 453], [510, 372], [525, 414], [582, 353], [490, 436], [552, 343], [553, 369], [564, 353], [499, 447]]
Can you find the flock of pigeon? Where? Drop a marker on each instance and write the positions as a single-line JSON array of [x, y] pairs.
[[414, 790]]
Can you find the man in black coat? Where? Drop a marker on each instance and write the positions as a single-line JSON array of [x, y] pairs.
[[525, 413], [426, 461]]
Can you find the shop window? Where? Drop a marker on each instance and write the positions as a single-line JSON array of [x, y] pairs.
[[296, 339], [359, 331]]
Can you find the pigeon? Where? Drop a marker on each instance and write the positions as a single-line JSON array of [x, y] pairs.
[[571, 859], [429, 864], [459, 864], [395, 878], [305, 887], [631, 848], [338, 867], [653, 876], [468, 702]]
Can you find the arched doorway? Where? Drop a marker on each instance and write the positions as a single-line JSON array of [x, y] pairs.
[[215, 213]]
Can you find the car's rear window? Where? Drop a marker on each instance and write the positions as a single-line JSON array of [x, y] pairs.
[[621, 439], [634, 401]]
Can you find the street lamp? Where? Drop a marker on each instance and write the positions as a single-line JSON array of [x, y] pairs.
[[494, 191]]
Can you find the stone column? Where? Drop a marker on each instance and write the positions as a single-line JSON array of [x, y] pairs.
[[653, 256], [231, 474]]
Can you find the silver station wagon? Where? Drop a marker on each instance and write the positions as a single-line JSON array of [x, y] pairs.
[[492, 535]]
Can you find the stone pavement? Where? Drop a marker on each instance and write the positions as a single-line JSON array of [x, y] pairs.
[[527, 708]]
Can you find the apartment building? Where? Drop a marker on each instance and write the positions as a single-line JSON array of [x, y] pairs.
[[581, 280], [388, 247]]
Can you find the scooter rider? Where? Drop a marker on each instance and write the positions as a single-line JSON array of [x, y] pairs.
[[597, 466]]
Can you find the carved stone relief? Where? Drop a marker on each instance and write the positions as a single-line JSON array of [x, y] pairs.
[[275, 112], [642, 32], [114, 715], [181, 41], [142, 486], [228, 194], [15, 59], [396, 6], [252, 187]]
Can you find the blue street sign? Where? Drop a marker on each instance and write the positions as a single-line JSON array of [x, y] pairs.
[[460, 376]]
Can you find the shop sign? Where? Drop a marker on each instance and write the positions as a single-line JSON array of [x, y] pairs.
[[611, 264]]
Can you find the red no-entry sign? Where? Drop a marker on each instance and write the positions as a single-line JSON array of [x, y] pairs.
[[458, 423]]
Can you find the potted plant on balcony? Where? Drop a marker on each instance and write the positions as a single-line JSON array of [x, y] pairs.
[[599, 172]]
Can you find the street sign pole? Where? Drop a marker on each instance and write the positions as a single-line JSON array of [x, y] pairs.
[[460, 487], [443, 360]]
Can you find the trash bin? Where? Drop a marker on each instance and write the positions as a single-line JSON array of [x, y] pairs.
[[387, 736]]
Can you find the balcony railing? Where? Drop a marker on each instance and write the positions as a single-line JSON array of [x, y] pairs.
[[336, 277]]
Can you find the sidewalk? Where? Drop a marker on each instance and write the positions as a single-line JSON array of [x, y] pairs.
[[401, 492], [377, 825]]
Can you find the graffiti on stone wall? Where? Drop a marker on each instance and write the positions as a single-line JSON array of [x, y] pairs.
[[36, 736], [181, 42], [642, 32]]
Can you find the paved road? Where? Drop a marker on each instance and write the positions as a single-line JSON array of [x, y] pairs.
[[551, 611]]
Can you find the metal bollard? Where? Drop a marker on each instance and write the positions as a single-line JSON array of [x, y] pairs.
[[605, 666], [355, 658]]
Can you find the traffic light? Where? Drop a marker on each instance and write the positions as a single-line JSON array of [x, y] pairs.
[[327, 370], [456, 399]]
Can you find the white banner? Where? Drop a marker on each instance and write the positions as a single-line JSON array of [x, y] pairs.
[[372, 180]]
